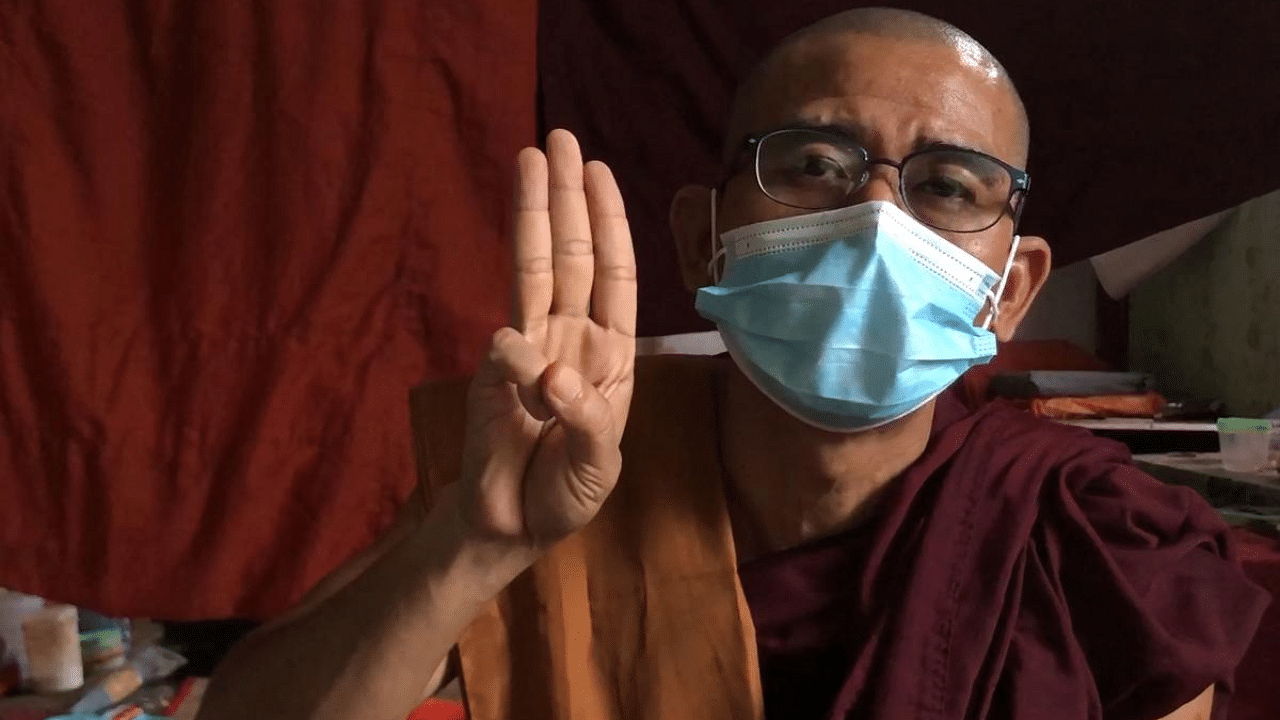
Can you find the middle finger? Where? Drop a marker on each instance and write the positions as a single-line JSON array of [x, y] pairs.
[[571, 253]]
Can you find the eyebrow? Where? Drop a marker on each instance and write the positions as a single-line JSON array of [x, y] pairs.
[[858, 134]]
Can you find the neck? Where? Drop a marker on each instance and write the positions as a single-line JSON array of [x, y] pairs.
[[789, 482]]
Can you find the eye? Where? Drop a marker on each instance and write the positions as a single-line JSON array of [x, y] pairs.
[[944, 186], [956, 190], [808, 169], [954, 177], [819, 165]]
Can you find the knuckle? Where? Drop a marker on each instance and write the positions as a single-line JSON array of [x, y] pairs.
[[574, 247], [503, 334], [502, 339], [619, 272], [593, 483], [597, 417], [535, 266]]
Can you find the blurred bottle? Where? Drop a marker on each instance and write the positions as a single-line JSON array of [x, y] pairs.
[[104, 641], [51, 638], [14, 608]]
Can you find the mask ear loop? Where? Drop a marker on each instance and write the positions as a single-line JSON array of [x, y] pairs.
[[717, 253], [994, 296]]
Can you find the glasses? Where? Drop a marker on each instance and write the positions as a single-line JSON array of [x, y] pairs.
[[946, 188]]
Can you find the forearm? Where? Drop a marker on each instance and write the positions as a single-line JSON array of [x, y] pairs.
[[368, 652]]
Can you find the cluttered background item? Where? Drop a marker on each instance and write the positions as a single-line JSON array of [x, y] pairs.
[[56, 658], [59, 662]]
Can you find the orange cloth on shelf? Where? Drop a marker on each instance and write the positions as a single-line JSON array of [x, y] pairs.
[[1056, 355], [1146, 405], [1021, 355]]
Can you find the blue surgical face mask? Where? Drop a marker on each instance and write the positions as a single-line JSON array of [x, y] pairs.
[[851, 318]]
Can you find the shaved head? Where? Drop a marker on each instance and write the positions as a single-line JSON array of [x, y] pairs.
[[892, 84], [790, 57]]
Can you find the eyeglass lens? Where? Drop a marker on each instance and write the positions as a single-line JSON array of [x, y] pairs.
[[948, 189]]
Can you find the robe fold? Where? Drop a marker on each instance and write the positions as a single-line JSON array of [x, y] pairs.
[[1018, 569]]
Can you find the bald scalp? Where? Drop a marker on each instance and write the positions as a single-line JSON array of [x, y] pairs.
[[879, 22]]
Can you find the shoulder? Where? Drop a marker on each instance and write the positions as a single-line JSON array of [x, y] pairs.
[[1083, 479], [1144, 573], [1083, 493], [1150, 580], [1002, 422], [1024, 455]]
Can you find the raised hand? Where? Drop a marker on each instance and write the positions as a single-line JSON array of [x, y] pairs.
[[546, 410]]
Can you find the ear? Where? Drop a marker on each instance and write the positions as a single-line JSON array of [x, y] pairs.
[[1027, 274], [690, 219]]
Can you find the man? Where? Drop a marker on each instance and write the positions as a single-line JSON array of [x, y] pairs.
[[874, 549]]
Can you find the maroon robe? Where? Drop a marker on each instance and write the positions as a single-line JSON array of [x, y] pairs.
[[1019, 569]]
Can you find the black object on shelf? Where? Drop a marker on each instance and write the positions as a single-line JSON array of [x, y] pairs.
[[1068, 383]]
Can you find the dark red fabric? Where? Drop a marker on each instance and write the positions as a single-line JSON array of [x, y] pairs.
[[1257, 696], [1019, 570], [809, 620], [1143, 116], [234, 233]]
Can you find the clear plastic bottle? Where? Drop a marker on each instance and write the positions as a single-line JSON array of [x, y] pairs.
[[104, 641]]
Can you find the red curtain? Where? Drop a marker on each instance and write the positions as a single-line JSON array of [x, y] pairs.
[[232, 235], [1144, 115]]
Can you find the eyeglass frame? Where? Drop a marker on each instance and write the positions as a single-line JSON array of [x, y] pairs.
[[1020, 181]]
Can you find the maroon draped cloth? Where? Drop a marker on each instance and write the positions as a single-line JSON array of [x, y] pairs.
[[1257, 697], [1018, 570]]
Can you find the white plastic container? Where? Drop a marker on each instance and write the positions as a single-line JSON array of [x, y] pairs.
[[1244, 444], [52, 638], [14, 608]]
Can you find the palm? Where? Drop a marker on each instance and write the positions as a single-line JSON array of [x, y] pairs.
[[533, 475]]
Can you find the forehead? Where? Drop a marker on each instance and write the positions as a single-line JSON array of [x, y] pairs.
[[894, 94]]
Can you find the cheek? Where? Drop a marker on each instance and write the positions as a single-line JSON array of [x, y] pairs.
[[743, 204], [991, 246], [986, 252]]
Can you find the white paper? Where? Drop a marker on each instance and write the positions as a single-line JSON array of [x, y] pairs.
[[1121, 270], [700, 343]]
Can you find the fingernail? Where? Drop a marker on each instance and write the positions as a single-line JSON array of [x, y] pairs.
[[566, 385]]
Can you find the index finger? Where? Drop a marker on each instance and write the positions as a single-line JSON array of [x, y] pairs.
[[613, 293], [531, 242]]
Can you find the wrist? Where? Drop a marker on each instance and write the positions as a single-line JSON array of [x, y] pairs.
[[485, 563]]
